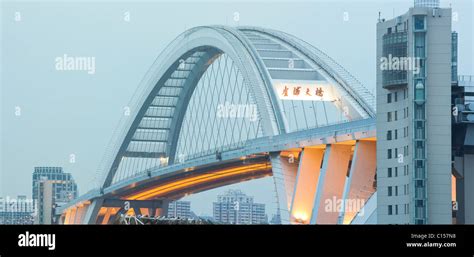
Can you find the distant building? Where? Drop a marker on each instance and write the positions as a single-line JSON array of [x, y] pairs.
[[179, 209], [20, 211], [64, 186], [45, 202], [235, 207], [276, 219], [52, 187]]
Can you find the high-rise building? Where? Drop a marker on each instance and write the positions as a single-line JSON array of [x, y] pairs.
[[45, 202], [179, 209], [64, 186], [414, 66], [235, 207], [52, 187], [17, 211]]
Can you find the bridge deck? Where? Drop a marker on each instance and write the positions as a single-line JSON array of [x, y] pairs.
[[355, 130]]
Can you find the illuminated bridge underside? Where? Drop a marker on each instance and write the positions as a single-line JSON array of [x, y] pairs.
[[209, 114]]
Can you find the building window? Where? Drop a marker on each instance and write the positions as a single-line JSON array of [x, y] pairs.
[[389, 210], [389, 116], [389, 171], [396, 115], [389, 97], [389, 135], [389, 154], [396, 171], [396, 96], [419, 22], [389, 191], [419, 164], [396, 209], [396, 134]]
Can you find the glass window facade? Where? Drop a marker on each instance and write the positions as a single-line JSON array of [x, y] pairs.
[[419, 145], [395, 47], [419, 22]]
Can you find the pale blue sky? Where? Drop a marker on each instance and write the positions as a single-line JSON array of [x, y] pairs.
[[65, 113]]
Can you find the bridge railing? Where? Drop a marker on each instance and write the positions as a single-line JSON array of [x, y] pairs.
[[260, 144], [243, 144]]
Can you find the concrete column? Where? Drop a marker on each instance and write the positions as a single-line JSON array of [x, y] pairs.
[[151, 212], [306, 183], [90, 217], [284, 176], [107, 215], [360, 183], [62, 219], [81, 211], [331, 184], [458, 172], [67, 218], [469, 189], [72, 216]]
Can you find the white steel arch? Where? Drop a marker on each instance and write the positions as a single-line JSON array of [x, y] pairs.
[[150, 134]]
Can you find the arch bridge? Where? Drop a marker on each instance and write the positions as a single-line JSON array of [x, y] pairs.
[[222, 105]]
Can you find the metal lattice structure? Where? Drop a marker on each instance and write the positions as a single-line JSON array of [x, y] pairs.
[[175, 115]]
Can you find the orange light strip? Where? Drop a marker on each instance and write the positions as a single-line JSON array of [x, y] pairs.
[[139, 195], [192, 181], [203, 180], [195, 180]]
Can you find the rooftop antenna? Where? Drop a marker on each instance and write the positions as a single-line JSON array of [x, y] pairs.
[[380, 13]]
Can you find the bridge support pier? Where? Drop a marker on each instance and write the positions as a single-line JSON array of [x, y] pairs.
[[325, 180], [360, 185], [306, 183], [284, 175], [105, 211], [464, 192], [331, 183], [80, 213], [93, 209]]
